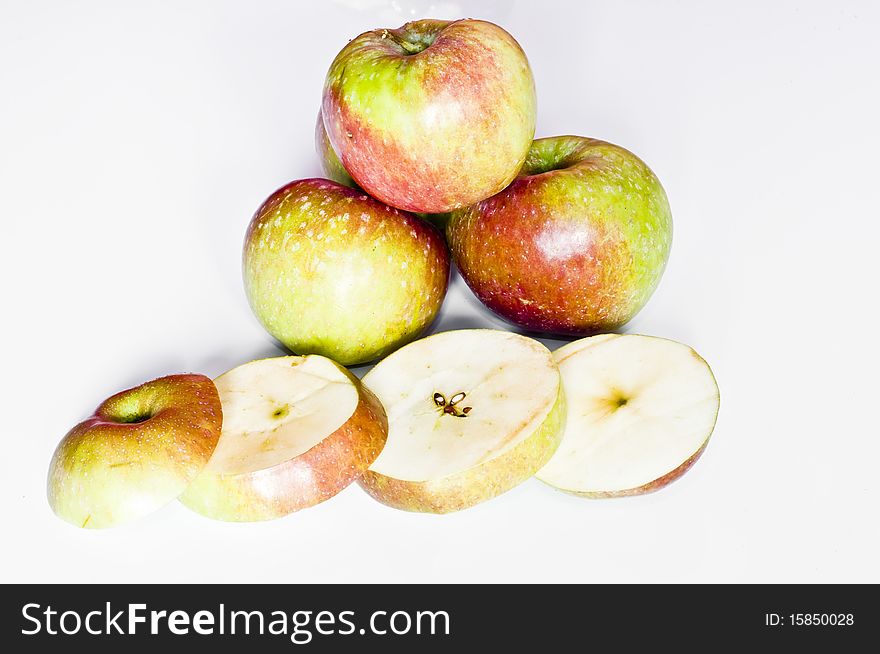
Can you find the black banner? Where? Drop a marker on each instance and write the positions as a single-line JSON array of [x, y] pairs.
[[435, 618]]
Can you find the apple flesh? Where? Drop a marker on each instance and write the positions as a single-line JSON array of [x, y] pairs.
[[138, 452], [472, 413], [331, 271], [641, 411], [297, 431], [575, 245], [432, 116]]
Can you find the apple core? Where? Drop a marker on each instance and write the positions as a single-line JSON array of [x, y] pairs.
[[470, 412]]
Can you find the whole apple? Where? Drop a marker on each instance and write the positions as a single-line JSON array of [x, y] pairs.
[[432, 116], [138, 451], [576, 244], [329, 270]]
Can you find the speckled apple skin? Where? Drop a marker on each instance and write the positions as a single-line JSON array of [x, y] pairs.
[[106, 472], [432, 116], [575, 245], [479, 483], [333, 169], [314, 476], [329, 270]]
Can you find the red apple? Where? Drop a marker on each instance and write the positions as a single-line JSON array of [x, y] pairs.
[[432, 116], [576, 244]]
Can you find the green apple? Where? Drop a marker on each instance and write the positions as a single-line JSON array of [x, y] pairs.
[[471, 414], [575, 245], [297, 430], [329, 270], [138, 452], [432, 116], [641, 410]]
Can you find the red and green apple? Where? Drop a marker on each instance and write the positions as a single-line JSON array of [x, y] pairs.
[[138, 452], [432, 116], [575, 245]]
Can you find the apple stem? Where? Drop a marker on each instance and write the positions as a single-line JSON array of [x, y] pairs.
[[411, 48]]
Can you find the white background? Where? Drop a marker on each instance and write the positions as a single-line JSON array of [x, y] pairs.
[[136, 140]]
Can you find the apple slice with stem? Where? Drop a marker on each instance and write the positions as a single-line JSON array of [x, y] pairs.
[[138, 452], [471, 413], [640, 413], [297, 430]]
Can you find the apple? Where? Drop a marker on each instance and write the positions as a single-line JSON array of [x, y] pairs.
[[575, 245], [641, 410], [329, 270], [432, 116], [331, 166], [471, 414], [297, 431], [333, 169], [138, 452]]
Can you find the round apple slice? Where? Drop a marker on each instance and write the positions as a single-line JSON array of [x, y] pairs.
[[296, 431], [471, 414], [640, 412], [140, 450]]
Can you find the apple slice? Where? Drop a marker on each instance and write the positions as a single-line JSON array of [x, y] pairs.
[[471, 413], [297, 430], [140, 450], [640, 412]]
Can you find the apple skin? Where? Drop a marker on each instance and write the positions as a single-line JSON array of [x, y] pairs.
[[301, 482], [329, 270], [331, 166], [432, 116], [478, 484], [109, 470], [575, 245], [333, 169], [651, 487]]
